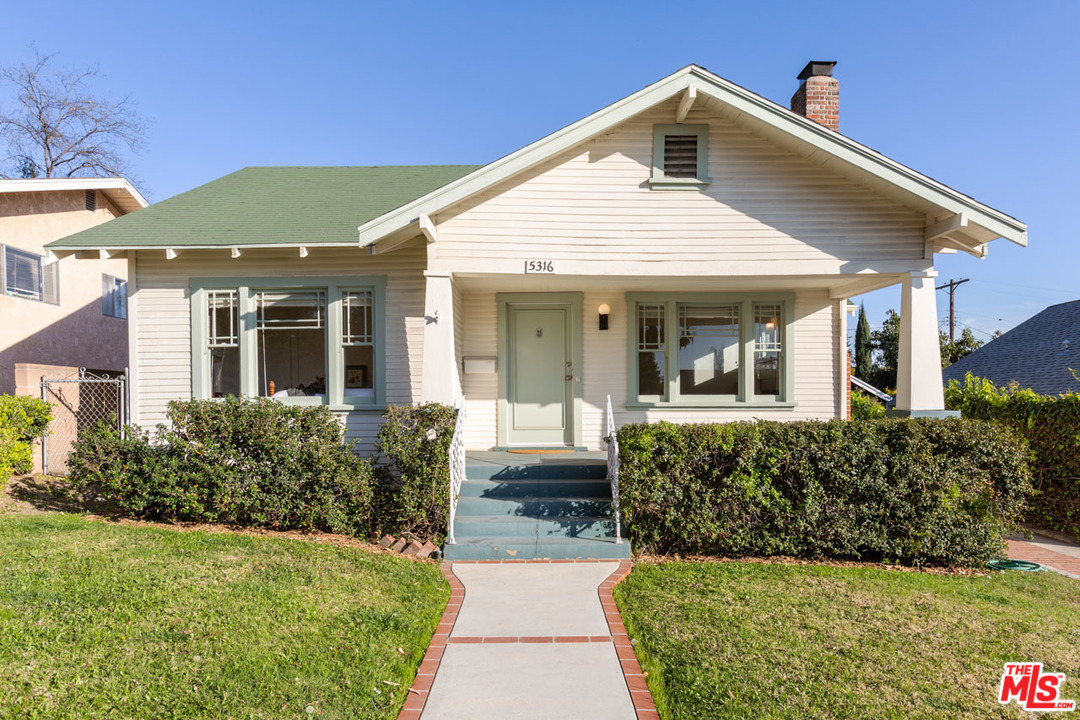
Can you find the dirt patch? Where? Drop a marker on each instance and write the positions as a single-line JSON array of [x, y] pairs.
[[30, 494]]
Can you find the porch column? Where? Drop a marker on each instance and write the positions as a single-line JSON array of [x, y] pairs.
[[439, 352], [918, 377]]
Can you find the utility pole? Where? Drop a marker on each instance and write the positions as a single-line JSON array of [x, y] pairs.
[[951, 287]]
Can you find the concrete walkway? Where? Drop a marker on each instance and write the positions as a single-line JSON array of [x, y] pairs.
[[532, 640]]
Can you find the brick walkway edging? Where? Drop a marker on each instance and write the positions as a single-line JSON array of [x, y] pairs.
[[624, 649], [1058, 562], [417, 695]]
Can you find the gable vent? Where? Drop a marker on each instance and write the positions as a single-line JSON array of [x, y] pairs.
[[680, 156], [91, 200]]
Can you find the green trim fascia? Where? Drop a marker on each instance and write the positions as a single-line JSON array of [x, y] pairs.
[[746, 302], [575, 301], [659, 181], [727, 92], [246, 288]]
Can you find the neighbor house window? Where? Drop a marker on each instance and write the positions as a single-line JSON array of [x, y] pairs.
[[720, 350], [30, 276], [113, 297], [680, 156], [305, 341]]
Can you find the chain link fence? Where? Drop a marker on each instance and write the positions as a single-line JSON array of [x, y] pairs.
[[78, 402]]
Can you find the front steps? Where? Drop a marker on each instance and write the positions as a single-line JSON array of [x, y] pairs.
[[529, 507]]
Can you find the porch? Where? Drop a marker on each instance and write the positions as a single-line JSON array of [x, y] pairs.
[[535, 356]]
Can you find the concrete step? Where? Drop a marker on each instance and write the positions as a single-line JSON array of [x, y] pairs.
[[513, 548], [521, 489], [533, 507], [525, 529], [546, 471]]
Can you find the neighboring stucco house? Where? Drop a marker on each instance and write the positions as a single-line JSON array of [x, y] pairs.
[[687, 251], [61, 311], [1040, 354]]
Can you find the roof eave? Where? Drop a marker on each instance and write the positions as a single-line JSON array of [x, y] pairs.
[[117, 189]]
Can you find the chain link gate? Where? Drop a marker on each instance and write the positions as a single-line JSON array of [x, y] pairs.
[[79, 402]]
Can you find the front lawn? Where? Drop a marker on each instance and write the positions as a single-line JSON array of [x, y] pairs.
[[99, 619], [739, 639]]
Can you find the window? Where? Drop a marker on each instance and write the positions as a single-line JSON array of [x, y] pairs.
[[303, 341], [680, 156], [718, 338], [30, 276], [113, 297]]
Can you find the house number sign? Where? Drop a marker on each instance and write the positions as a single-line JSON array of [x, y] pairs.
[[539, 266]]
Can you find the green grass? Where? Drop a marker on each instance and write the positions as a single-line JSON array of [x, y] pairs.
[[104, 620], [739, 640]]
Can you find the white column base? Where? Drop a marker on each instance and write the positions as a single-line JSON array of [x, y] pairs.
[[437, 379], [918, 377]]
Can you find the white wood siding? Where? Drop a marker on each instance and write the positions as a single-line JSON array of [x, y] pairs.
[[814, 345], [163, 317], [765, 203]]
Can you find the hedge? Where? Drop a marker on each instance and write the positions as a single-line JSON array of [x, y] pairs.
[[1051, 426], [412, 492], [910, 491], [22, 421], [246, 462]]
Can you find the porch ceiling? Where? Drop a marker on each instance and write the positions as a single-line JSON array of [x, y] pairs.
[[838, 286]]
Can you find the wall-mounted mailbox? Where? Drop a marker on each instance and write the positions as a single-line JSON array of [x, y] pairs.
[[479, 365]]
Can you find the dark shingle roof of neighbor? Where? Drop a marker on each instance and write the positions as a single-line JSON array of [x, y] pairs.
[[271, 205], [1033, 353]]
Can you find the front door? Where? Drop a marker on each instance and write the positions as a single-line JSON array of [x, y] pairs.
[[540, 376]]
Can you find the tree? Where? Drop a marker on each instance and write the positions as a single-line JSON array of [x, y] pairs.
[[864, 350], [966, 344], [886, 343], [56, 127]]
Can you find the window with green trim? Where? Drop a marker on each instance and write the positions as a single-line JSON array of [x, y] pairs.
[[302, 341], [695, 349], [680, 157]]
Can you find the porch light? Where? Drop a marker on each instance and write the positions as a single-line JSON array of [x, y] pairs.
[[605, 310]]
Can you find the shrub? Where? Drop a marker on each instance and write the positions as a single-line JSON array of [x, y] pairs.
[[1051, 426], [913, 491], [413, 488], [22, 421], [864, 407], [247, 462]]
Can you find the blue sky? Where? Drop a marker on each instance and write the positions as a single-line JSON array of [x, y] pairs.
[[978, 95]]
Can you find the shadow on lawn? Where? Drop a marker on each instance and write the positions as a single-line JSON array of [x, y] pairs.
[[46, 493]]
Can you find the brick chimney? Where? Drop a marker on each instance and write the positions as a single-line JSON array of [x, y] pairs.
[[818, 98]]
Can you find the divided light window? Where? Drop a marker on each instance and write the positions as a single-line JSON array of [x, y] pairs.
[[680, 157], [302, 345], [717, 340], [30, 276]]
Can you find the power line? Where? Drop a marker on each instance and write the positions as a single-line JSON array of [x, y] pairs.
[[951, 286]]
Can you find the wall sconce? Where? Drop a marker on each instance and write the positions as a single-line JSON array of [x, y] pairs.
[[605, 310]]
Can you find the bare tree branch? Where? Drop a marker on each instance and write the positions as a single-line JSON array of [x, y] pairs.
[[55, 127]]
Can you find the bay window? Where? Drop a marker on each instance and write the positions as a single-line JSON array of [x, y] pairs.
[[710, 350], [306, 341]]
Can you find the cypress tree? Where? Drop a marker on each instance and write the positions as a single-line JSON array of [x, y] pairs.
[[864, 362]]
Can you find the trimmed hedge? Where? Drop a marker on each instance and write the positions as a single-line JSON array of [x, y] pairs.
[[911, 491], [22, 421], [412, 492], [1051, 426], [247, 462]]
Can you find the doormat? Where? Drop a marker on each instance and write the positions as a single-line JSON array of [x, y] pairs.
[[539, 451]]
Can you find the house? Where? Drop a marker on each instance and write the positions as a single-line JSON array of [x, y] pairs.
[[1040, 354], [61, 311], [688, 251]]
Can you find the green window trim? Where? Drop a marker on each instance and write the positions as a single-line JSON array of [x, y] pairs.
[[247, 288], [745, 399], [659, 179]]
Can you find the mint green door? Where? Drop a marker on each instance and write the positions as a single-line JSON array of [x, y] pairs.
[[540, 367]]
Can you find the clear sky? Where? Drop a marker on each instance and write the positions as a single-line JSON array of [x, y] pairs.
[[979, 95]]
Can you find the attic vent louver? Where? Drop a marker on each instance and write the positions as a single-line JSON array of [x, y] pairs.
[[680, 156], [91, 200]]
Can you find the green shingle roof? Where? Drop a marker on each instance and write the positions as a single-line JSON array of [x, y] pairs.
[[270, 206]]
